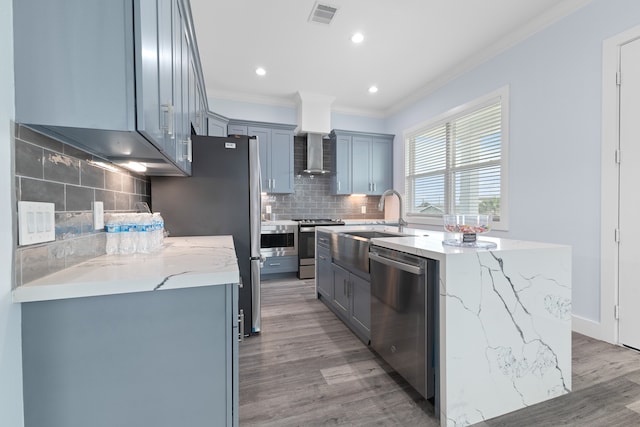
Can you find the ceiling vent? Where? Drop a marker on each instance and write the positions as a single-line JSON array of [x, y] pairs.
[[322, 13]]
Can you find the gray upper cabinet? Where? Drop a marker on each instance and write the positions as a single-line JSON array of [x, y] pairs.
[[363, 162], [109, 77], [276, 152], [216, 125]]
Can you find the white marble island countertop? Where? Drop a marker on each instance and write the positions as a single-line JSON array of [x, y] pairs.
[[503, 321], [183, 262]]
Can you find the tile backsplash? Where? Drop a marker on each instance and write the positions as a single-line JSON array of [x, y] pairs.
[[47, 170], [312, 196]]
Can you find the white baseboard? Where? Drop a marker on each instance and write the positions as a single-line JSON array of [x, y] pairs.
[[591, 329]]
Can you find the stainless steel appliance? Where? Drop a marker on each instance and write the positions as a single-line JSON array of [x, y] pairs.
[[222, 196], [403, 314], [307, 244], [278, 240]]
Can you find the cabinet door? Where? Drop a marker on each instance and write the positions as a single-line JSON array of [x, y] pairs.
[[341, 290], [381, 165], [237, 130], [342, 178], [360, 309], [178, 128], [324, 275], [281, 161], [264, 144], [361, 165], [183, 161], [147, 73], [165, 73]]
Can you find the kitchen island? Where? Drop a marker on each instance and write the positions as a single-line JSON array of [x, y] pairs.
[[132, 340], [502, 323]]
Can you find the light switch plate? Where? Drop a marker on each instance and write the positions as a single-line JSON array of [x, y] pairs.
[[98, 215], [363, 209], [36, 222]]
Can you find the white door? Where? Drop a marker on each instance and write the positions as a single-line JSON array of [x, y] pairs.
[[629, 208]]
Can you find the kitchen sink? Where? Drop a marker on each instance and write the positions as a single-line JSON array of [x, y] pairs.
[[352, 248], [372, 234]]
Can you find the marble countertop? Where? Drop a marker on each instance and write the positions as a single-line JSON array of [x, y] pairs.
[[182, 263], [428, 243]]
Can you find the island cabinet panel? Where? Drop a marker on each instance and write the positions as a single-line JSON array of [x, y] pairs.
[[363, 162], [276, 152], [324, 276], [158, 358], [340, 300], [351, 300], [114, 79]]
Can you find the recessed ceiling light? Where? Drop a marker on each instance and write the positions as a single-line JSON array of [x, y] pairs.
[[357, 38], [373, 89], [261, 71]]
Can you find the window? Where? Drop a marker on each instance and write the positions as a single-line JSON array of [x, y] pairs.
[[457, 163]]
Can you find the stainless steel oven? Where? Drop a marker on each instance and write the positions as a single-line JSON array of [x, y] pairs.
[[278, 240], [307, 244], [403, 314]]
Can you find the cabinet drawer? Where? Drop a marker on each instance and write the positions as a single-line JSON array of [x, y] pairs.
[[280, 264]]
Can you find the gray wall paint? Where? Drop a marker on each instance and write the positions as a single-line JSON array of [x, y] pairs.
[[312, 198], [555, 80], [47, 170]]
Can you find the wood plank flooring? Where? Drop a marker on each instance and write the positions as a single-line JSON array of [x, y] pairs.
[[307, 369]]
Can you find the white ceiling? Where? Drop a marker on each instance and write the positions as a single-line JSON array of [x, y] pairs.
[[411, 46]]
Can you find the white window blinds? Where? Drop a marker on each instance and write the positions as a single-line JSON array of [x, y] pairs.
[[455, 165]]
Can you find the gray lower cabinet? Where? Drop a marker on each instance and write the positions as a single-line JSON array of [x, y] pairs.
[[324, 276], [351, 301], [279, 264], [163, 358]]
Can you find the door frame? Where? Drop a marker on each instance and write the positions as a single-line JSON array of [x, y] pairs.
[[607, 328]]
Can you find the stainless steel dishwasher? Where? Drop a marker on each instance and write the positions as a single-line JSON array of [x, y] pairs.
[[402, 314]]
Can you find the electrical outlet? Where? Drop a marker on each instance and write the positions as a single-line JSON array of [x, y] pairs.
[[268, 209], [36, 222], [363, 209]]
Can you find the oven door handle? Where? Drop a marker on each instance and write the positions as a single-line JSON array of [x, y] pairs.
[[392, 263], [307, 229]]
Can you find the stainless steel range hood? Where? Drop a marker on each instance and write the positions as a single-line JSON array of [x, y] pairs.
[[314, 119], [314, 155]]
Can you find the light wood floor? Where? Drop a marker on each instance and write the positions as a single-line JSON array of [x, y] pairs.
[[307, 369]]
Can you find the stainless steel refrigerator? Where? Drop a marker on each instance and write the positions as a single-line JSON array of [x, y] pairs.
[[221, 197]]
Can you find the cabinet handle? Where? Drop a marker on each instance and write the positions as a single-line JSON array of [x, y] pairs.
[[322, 257], [189, 150], [275, 264], [167, 118], [274, 183], [349, 284], [338, 185], [241, 326], [269, 184]]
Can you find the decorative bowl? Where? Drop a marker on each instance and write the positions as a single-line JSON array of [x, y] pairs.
[[469, 225]]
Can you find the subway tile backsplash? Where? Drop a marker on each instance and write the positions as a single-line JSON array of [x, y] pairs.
[[312, 194], [47, 170]]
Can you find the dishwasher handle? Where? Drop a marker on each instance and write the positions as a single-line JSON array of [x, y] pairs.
[[397, 264]]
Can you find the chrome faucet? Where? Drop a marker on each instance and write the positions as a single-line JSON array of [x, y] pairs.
[[401, 221]]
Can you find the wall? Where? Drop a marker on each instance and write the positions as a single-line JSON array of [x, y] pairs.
[[47, 170], [288, 115], [312, 198], [10, 336], [555, 80]]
